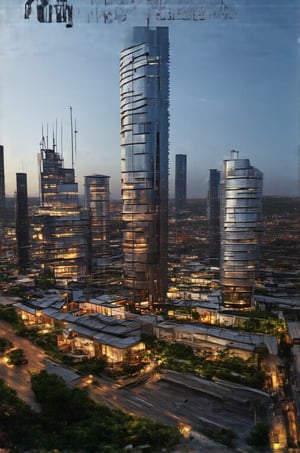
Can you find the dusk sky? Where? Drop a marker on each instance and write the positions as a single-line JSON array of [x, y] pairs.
[[233, 85]]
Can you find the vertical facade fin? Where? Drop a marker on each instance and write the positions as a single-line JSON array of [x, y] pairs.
[[144, 97]]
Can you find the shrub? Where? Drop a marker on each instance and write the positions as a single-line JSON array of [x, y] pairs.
[[16, 357], [259, 437]]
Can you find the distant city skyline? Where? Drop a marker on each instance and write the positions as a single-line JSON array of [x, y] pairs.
[[233, 85]]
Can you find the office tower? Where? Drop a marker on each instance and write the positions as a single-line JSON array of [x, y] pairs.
[[97, 204], [180, 182], [144, 92], [57, 184], [213, 214], [59, 230], [22, 223], [241, 211], [2, 183]]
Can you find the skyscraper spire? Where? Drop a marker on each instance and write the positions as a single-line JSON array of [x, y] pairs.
[[72, 145]]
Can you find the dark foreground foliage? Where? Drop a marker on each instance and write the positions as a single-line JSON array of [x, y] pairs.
[[224, 436], [4, 344], [71, 422], [259, 437], [16, 357]]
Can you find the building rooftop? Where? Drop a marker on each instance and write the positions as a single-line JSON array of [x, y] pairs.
[[108, 298], [118, 333], [231, 336], [294, 330], [47, 301]]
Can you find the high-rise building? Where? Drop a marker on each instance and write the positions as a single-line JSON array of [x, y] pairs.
[[2, 182], [22, 223], [180, 182], [241, 215], [213, 214], [144, 92], [60, 226], [97, 204]]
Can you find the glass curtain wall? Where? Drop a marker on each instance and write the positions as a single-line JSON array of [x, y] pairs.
[[144, 93], [241, 215], [97, 204]]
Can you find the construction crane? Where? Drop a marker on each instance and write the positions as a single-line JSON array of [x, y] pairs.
[[111, 11]]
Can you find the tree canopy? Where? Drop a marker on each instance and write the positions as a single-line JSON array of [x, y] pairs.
[[70, 421]]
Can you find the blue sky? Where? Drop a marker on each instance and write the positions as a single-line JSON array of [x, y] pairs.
[[233, 85]]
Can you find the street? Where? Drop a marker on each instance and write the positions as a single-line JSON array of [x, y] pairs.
[[18, 377]]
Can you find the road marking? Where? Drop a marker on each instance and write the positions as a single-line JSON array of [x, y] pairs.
[[143, 401]]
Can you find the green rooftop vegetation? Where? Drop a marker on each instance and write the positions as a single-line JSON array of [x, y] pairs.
[[181, 358]]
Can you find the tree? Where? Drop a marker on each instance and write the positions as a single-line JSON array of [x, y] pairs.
[[16, 357], [179, 351], [69, 421], [259, 437], [76, 419], [4, 344], [16, 421], [57, 400], [9, 314]]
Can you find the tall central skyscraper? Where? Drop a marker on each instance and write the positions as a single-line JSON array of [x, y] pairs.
[[241, 213], [144, 91]]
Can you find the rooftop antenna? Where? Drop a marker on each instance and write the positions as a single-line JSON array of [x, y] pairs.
[[56, 132], [43, 142], [61, 138], [75, 137], [53, 139], [72, 146], [47, 138]]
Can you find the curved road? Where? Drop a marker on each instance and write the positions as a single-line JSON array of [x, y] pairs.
[[18, 377]]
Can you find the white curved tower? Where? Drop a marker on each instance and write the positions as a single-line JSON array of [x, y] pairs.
[[241, 212]]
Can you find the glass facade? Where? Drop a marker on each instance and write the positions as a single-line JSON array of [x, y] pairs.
[[180, 182], [59, 228], [22, 223], [144, 96], [241, 215], [213, 214], [2, 181], [97, 204]]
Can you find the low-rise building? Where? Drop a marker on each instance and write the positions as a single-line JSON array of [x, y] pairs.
[[100, 336], [109, 305], [206, 339], [294, 336], [87, 334]]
